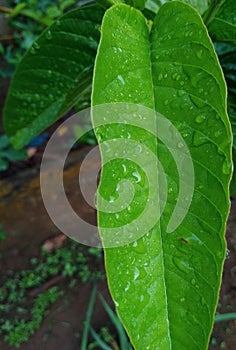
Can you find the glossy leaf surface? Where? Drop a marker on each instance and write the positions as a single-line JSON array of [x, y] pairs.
[[227, 57], [165, 284], [53, 75], [154, 5], [223, 25]]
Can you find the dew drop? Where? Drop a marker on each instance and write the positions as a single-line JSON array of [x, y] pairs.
[[124, 168], [111, 199], [193, 282], [137, 175], [200, 118], [218, 133], [160, 76], [36, 45], [180, 145], [199, 139], [139, 148], [199, 54], [117, 216], [136, 273], [166, 102], [181, 265], [121, 79], [127, 287], [49, 35], [32, 50], [227, 166], [182, 300]]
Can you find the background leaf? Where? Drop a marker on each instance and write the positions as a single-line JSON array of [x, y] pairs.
[[223, 25], [53, 75], [165, 285], [154, 5]]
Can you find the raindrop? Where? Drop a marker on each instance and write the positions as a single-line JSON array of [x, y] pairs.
[[36, 45], [137, 175], [200, 118], [199, 139], [181, 265], [139, 148], [160, 76], [139, 246], [124, 167], [49, 35], [136, 273], [120, 78], [127, 287], [180, 145], [32, 50], [117, 216], [218, 133], [166, 102], [227, 166], [193, 282], [199, 54], [182, 300], [111, 199]]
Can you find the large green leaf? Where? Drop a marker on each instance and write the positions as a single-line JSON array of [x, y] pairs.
[[223, 25], [165, 284], [227, 57], [53, 74]]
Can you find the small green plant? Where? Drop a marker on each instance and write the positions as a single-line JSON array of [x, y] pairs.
[[9, 154], [103, 339], [24, 294]]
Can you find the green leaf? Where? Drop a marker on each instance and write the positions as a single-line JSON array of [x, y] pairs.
[[227, 57], [165, 284], [223, 25], [53, 74], [154, 5]]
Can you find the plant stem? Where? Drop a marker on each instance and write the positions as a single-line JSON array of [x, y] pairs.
[[212, 10], [88, 318], [5, 9], [225, 317]]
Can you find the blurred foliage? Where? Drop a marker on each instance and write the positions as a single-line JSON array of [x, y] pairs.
[[9, 154], [26, 20]]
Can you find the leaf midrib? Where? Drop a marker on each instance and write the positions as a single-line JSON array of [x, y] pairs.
[[159, 223]]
